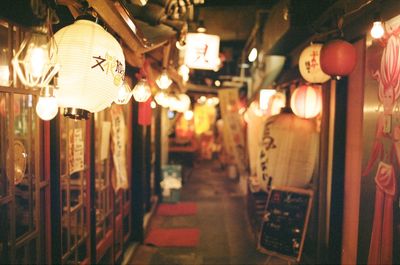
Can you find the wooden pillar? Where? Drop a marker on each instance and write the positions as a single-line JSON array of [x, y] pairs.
[[147, 166], [91, 189], [137, 209], [337, 176], [158, 150], [55, 192]]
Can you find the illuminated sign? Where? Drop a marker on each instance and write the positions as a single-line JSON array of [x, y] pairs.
[[202, 51]]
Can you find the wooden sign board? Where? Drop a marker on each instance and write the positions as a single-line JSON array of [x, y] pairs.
[[285, 222]]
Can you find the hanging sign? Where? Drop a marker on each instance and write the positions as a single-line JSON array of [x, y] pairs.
[[202, 51], [288, 151], [233, 131], [120, 176], [76, 150], [105, 139]]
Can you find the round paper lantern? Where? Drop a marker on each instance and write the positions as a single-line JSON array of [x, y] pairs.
[[306, 101], [309, 65], [338, 58], [92, 68]]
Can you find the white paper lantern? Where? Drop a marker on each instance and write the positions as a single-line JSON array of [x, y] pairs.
[[92, 68], [309, 64]]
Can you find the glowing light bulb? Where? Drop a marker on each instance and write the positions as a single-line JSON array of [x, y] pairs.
[[188, 115], [124, 94], [142, 91], [153, 105], [253, 55], [180, 45], [4, 75], [162, 99], [265, 95], [377, 30], [32, 62], [163, 81], [202, 100], [36, 59], [183, 71], [4, 69], [47, 108]]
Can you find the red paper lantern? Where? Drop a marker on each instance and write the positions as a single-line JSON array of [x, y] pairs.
[[306, 101], [338, 58]]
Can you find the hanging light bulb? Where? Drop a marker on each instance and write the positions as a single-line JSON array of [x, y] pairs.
[[377, 30], [252, 55], [183, 71], [188, 115], [180, 44], [33, 61], [163, 81], [141, 92], [265, 95], [4, 69], [153, 104], [46, 107], [124, 94], [162, 99]]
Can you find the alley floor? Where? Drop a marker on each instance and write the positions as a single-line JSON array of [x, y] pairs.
[[225, 233]]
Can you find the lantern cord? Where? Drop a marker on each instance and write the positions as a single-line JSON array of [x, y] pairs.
[[340, 21]]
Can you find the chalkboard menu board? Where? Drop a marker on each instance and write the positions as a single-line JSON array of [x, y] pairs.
[[285, 222]]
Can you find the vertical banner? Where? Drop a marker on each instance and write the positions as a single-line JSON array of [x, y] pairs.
[[120, 176], [233, 131], [76, 150], [145, 112]]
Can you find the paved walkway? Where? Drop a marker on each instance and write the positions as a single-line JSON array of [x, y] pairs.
[[225, 233]]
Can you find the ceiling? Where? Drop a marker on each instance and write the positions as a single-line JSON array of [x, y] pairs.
[[232, 20]]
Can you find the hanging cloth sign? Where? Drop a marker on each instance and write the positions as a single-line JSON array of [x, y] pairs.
[[233, 130], [120, 176], [76, 150], [288, 151]]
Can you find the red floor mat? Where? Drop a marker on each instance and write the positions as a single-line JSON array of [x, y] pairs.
[[177, 209], [173, 237]]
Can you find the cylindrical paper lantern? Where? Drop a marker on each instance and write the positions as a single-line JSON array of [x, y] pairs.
[[306, 101], [338, 58], [92, 68], [309, 65]]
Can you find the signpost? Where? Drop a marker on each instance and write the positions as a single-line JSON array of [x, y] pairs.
[[285, 223]]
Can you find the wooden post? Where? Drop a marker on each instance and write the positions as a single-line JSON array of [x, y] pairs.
[[158, 150], [55, 192], [91, 192], [137, 209], [147, 166]]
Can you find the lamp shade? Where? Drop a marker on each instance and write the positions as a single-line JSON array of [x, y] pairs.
[[309, 65], [338, 58], [306, 101], [92, 68]]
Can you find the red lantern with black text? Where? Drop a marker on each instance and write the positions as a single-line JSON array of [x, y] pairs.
[[338, 58], [306, 101]]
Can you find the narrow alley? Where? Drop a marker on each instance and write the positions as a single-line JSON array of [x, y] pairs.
[[225, 235]]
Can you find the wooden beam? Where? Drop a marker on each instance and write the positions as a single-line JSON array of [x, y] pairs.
[[107, 10]]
